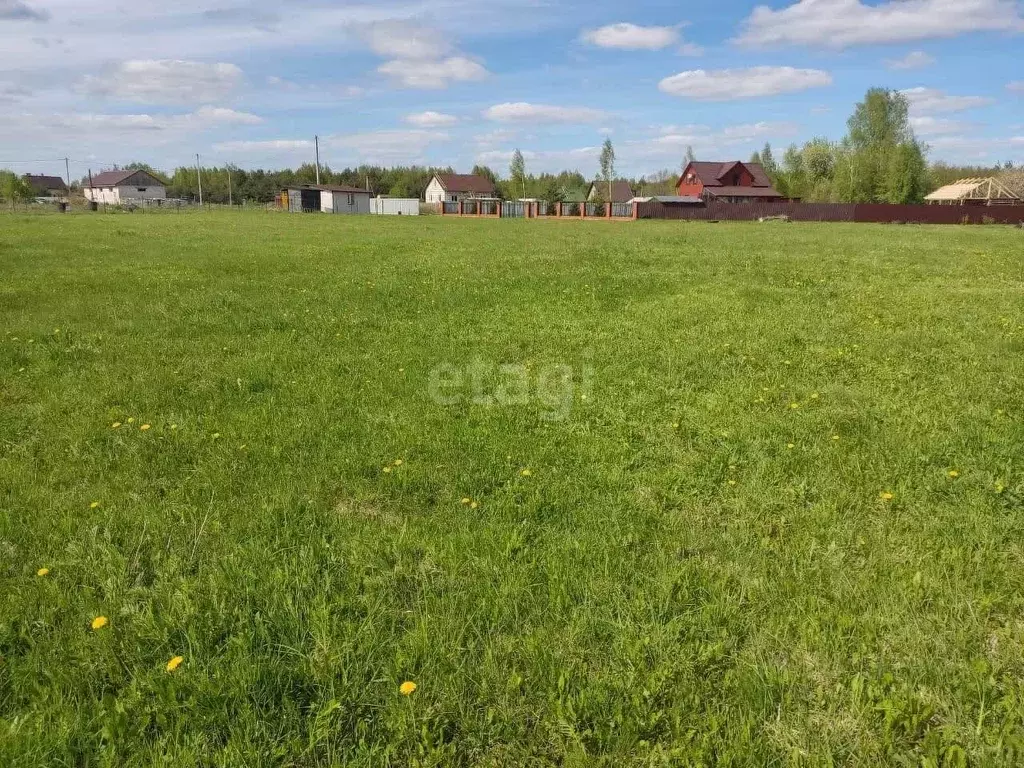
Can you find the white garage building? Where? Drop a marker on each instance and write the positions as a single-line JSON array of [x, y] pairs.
[[327, 198], [120, 187]]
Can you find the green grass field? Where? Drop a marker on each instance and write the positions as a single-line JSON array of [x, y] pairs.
[[609, 494]]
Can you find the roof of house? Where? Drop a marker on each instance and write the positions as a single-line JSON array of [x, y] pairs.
[[116, 178], [43, 184], [988, 188], [330, 188], [743, 191], [465, 182], [573, 195], [621, 191], [710, 173]]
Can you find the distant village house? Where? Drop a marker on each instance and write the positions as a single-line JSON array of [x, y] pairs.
[[46, 186], [326, 198], [121, 187], [730, 182], [621, 192], [453, 187]]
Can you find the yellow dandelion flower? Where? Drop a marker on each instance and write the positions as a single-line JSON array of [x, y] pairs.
[[174, 663], [526, 473], [407, 688], [791, 446], [94, 505], [466, 500], [473, 505], [386, 470], [216, 435], [398, 462], [886, 496], [953, 473], [675, 425], [43, 572], [115, 425], [1000, 487], [794, 406], [732, 482], [174, 426], [99, 622], [814, 395], [835, 437], [131, 419], [144, 427]]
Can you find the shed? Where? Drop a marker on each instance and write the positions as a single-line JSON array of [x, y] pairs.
[[46, 186], [327, 198], [395, 206]]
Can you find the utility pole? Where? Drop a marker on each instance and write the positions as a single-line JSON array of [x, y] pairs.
[[67, 173], [199, 175], [230, 202], [316, 144], [92, 192]]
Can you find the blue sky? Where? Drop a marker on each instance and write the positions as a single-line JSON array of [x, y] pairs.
[[456, 82]]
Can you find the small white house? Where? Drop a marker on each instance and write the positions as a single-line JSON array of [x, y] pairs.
[[452, 187], [120, 187]]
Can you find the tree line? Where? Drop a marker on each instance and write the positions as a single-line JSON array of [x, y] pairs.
[[878, 160]]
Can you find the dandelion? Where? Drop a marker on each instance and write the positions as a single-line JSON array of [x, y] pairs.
[[1000, 487], [144, 427], [953, 473], [43, 572], [407, 688], [386, 470], [675, 425], [791, 446], [94, 505], [466, 500], [174, 663], [886, 496], [473, 504], [174, 426], [99, 622], [526, 473], [794, 406], [131, 419], [814, 395], [731, 482], [115, 425], [398, 462], [835, 437], [216, 435]]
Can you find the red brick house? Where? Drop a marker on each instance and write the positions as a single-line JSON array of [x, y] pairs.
[[731, 182]]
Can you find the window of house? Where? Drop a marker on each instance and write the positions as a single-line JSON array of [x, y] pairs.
[[141, 189], [455, 198]]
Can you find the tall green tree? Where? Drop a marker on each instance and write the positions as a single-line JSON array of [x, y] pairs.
[[517, 171], [13, 188], [881, 142], [607, 164]]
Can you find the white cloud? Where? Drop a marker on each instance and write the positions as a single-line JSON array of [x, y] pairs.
[[166, 81], [402, 40], [224, 116], [729, 84], [913, 60], [15, 10], [681, 136], [976, 148], [433, 74], [522, 111], [1016, 85], [937, 126], [431, 119], [841, 23], [630, 37], [931, 100], [271, 146]]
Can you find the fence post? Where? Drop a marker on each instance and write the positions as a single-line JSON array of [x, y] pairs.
[[460, 208], [635, 211], [607, 210], [583, 209], [558, 209]]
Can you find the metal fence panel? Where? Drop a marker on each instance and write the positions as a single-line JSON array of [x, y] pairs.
[[624, 210]]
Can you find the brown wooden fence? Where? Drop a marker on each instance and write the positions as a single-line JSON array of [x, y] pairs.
[[879, 213]]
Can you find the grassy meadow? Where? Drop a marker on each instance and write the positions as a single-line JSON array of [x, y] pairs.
[[608, 494]]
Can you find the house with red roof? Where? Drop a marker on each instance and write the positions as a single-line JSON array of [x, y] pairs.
[[453, 187], [127, 186], [730, 182]]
